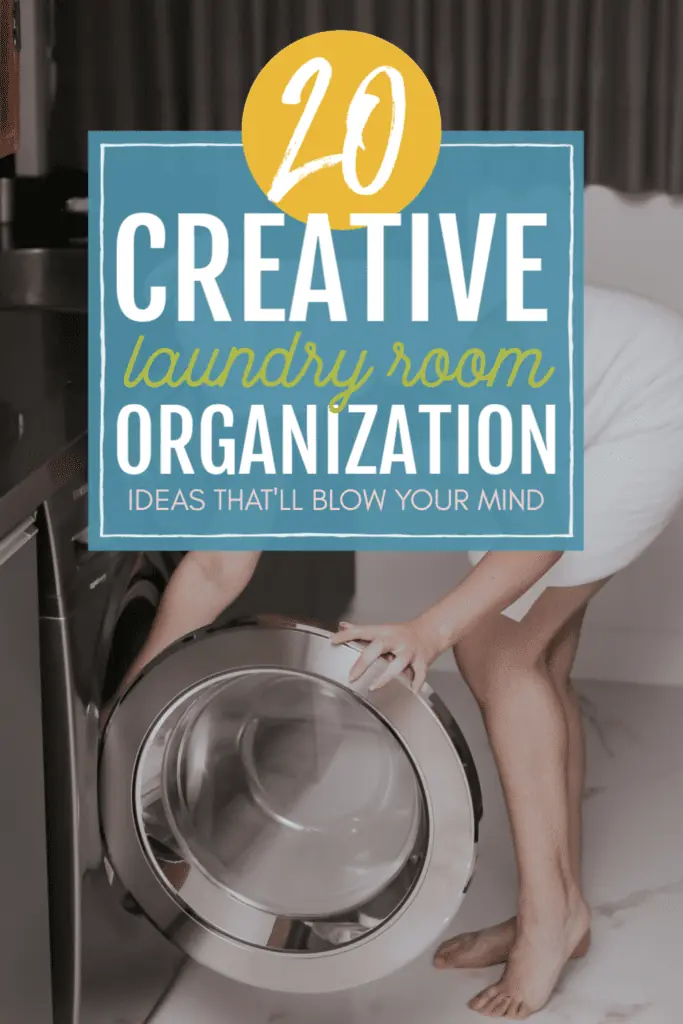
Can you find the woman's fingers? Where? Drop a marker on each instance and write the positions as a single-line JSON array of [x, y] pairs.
[[419, 675], [371, 653], [348, 632], [380, 640], [396, 666]]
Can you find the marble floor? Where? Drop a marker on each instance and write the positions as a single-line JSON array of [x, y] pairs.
[[634, 881]]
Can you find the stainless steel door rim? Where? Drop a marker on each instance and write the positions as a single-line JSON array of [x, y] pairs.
[[182, 735]]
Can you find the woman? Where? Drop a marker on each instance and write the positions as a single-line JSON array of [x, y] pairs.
[[514, 625]]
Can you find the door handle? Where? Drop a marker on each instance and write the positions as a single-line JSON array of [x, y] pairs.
[[80, 539], [15, 540]]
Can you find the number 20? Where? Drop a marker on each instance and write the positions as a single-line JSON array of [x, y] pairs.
[[359, 111]]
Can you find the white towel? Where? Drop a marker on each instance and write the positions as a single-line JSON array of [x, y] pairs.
[[633, 437]]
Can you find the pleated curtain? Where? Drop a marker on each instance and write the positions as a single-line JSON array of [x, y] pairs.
[[612, 68]]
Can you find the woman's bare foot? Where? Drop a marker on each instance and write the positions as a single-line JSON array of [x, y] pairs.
[[488, 947], [535, 963]]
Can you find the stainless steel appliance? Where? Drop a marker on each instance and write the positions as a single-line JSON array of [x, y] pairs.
[[42, 414], [244, 806], [279, 825], [25, 992]]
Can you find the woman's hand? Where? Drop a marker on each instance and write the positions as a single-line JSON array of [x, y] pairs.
[[488, 589], [407, 643]]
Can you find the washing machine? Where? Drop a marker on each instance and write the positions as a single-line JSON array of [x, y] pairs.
[[244, 806]]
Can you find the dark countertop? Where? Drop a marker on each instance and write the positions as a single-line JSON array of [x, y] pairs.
[[43, 406]]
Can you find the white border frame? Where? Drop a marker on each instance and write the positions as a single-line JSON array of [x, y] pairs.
[[345, 536]]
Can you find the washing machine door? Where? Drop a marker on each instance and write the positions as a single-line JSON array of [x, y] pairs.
[[283, 827]]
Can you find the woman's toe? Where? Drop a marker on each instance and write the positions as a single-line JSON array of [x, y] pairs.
[[499, 1006], [447, 951], [481, 1002], [518, 1011], [444, 953]]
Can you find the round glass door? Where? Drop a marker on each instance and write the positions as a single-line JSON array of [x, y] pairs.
[[282, 791], [282, 827], [290, 793]]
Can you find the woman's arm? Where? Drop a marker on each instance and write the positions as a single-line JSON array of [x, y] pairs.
[[202, 586], [499, 579]]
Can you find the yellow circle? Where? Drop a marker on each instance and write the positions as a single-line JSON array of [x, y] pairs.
[[324, 75]]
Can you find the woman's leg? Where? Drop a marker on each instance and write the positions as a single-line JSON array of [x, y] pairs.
[[492, 945], [506, 665], [560, 663]]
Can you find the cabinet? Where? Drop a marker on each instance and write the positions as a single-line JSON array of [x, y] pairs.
[[10, 42], [25, 979]]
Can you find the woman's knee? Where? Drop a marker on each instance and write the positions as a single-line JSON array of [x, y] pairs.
[[503, 675], [488, 667]]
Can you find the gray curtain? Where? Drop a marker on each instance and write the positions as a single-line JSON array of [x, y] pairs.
[[612, 68]]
